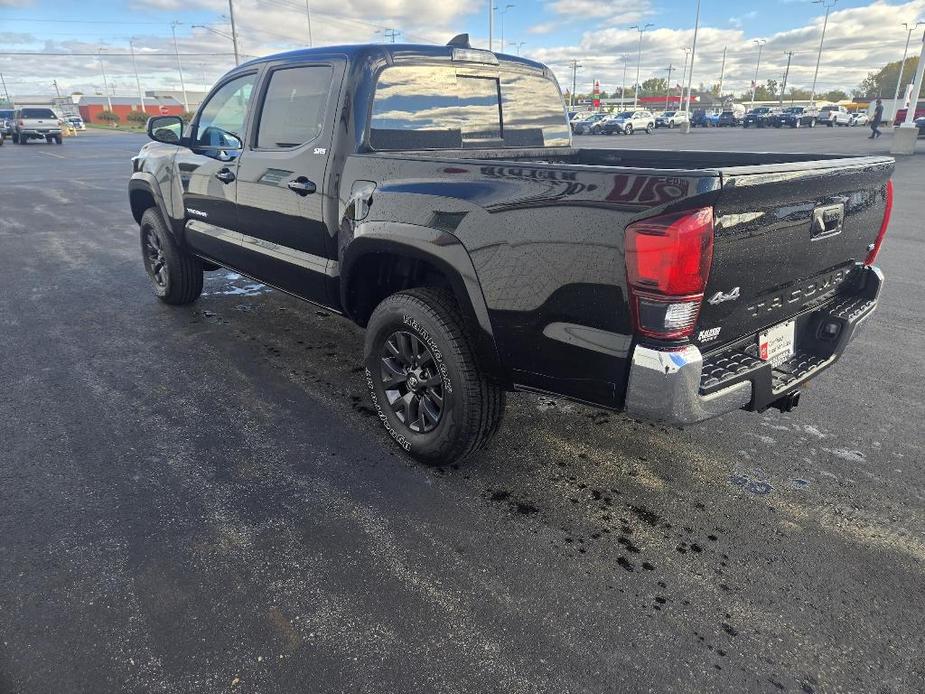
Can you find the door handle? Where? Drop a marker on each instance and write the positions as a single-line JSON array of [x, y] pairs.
[[225, 175], [301, 186]]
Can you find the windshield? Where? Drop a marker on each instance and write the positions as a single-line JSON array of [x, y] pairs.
[[668, 114], [446, 107], [38, 113], [626, 114]]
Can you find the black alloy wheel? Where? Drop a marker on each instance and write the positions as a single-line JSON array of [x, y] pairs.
[[155, 261], [412, 381]]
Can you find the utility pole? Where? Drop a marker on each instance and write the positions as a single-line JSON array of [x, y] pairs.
[[502, 13], [391, 34], [173, 28], [308, 13], [910, 28], [760, 43], [783, 87], [642, 30], [687, 53], [828, 4], [141, 94], [234, 34], [722, 75], [571, 96], [105, 83], [690, 75], [668, 91], [5, 92]]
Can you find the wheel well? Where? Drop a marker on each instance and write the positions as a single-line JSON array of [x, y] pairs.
[[140, 200], [375, 276]]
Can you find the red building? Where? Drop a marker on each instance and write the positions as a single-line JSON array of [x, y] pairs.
[[91, 107]]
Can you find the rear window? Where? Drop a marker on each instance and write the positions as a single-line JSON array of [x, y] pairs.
[[37, 113], [5, 113], [438, 107]]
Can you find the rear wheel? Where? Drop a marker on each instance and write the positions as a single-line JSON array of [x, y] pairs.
[[427, 386], [649, 129], [175, 274], [812, 123], [627, 129]]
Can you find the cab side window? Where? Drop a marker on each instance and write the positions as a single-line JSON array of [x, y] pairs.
[[221, 121], [294, 107]]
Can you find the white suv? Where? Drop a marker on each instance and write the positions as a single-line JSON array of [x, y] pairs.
[[628, 122]]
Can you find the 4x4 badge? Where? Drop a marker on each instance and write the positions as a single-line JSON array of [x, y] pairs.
[[720, 297]]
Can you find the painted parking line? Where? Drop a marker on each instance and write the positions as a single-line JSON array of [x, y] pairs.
[[52, 154]]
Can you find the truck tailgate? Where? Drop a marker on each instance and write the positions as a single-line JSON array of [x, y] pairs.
[[786, 237]]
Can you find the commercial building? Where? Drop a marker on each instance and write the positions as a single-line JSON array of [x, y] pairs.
[[91, 106]]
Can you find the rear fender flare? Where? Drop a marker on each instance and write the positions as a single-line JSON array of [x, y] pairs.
[[446, 253]]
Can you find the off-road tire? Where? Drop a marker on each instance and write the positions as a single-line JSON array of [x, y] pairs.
[[180, 278], [473, 404]]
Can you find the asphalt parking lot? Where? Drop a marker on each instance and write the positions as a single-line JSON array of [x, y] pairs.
[[200, 500]]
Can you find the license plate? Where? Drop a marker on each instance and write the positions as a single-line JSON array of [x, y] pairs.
[[776, 344]]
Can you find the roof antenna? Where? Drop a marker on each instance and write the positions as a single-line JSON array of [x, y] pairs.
[[460, 41]]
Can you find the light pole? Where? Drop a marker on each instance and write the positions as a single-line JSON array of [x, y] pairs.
[[623, 86], [491, 24], [690, 75], [828, 4], [722, 76], [905, 136], [308, 14], [141, 94], [668, 91], [502, 13], [105, 83], [910, 28], [642, 30], [234, 34], [760, 43], [519, 45], [54, 83], [173, 28], [783, 87], [571, 96], [687, 55]]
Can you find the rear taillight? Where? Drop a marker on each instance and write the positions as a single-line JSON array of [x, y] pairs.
[[667, 264], [22, 123], [872, 256]]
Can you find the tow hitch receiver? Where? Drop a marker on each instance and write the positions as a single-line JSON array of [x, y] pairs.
[[788, 402]]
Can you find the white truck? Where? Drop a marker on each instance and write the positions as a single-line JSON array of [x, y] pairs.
[[36, 123]]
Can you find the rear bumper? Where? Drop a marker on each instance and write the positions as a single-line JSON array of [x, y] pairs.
[[39, 132], [684, 387]]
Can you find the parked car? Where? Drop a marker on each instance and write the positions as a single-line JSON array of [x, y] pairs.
[[590, 125], [901, 114], [670, 119], [76, 122], [628, 122], [834, 115], [758, 117], [795, 117], [728, 119], [920, 124], [36, 123], [701, 119], [487, 255], [6, 121]]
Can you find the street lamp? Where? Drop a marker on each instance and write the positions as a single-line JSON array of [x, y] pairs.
[[519, 45], [503, 12], [99, 54], [828, 4], [687, 54], [623, 85], [910, 28], [642, 30], [141, 94], [690, 75], [173, 28], [760, 43]]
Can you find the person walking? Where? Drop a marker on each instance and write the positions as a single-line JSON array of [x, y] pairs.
[[875, 121]]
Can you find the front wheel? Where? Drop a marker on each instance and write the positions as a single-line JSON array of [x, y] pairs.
[[649, 130], [175, 274], [812, 123], [628, 129], [427, 386]]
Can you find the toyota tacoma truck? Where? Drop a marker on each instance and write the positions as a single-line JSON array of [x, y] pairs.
[[432, 195]]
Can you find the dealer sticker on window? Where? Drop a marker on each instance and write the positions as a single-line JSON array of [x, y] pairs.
[[776, 344]]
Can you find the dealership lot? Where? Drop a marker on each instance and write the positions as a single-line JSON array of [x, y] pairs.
[[200, 499]]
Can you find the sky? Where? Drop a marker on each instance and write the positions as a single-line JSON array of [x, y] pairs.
[[61, 38]]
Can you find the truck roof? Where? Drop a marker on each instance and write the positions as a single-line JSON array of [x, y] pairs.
[[393, 52]]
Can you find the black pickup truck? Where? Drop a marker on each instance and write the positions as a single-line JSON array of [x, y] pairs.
[[431, 194]]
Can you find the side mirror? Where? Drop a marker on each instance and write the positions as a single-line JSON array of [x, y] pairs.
[[166, 129]]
